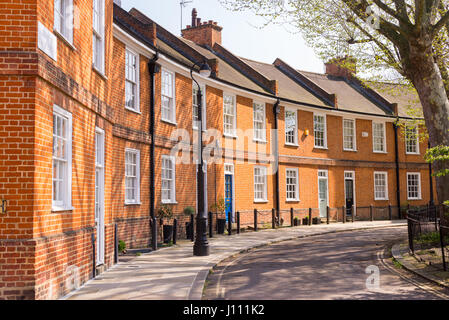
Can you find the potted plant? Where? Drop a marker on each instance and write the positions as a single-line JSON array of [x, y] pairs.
[[305, 221], [189, 211], [165, 212], [220, 211], [295, 222]]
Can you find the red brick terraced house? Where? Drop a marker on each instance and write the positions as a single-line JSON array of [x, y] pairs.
[[76, 95]]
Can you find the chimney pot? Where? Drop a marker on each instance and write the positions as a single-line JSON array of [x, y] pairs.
[[342, 67], [198, 22], [194, 15], [208, 35], [210, 21]]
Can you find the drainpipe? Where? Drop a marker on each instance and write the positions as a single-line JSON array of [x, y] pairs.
[[396, 154], [153, 68], [430, 180], [276, 111]]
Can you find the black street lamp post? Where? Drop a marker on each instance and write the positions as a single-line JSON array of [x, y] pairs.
[[201, 245]]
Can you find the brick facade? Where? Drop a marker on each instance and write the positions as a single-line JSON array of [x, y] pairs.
[[45, 253]]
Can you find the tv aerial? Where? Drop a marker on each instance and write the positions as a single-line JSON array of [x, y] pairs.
[[183, 4]]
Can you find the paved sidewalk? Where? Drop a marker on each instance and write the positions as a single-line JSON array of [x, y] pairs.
[[175, 274], [433, 273]]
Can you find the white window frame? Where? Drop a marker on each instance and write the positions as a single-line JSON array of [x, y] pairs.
[[385, 174], [407, 140], [226, 133], [324, 133], [265, 184], [65, 16], [137, 199], [384, 146], [135, 82], [173, 185], [295, 133], [204, 107], [66, 202], [354, 134], [418, 174], [172, 106], [296, 185], [262, 136], [98, 37]]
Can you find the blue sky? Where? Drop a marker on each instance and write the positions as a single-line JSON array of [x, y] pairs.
[[241, 31]]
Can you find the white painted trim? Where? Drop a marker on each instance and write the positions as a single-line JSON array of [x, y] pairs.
[[295, 143], [320, 114], [172, 121], [67, 205], [327, 186], [137, 152], [419, 186], [138, 110], [173, 162], [354, 121], [297, 198], [234, 134], [385, 173], [385, 136], [264, 140], [417, 142], [265, 200]]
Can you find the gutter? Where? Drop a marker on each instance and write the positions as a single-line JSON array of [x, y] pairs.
[[153, 68]]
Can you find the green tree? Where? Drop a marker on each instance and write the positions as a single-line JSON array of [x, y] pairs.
[[403, 41]]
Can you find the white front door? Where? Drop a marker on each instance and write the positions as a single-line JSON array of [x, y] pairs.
[[99, 194], [322, 193]]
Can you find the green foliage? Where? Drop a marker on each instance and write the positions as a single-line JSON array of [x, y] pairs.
[[121, 246], [219, 207], [438, 154], [165, 212], [189, 211], [432, 238]]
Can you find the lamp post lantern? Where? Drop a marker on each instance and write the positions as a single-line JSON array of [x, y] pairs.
[[201, 245]]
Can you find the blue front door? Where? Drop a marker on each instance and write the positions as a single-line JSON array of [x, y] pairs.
[[228, 196]]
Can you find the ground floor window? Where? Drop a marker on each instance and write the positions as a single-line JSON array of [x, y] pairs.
[[380, 186], [168, 179], [413, 186], [132, 176], [260, 184], [292, 184]]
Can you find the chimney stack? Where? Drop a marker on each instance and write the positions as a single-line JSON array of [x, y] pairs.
[[204, 34], [345, 67]]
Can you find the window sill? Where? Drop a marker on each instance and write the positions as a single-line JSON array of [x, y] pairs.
[[380, 152], [381, 199], [292, 200], [169, 122], [349, 150], [133, 203], [132, 110], [292, 145], [169, 202], [260, 201], [100, 73], [413, 153], [230, 136], [64, 39], [62, 209], [415, 199], [260, 141], [320, 148]]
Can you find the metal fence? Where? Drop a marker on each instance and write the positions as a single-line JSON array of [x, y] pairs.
[[428, 234]]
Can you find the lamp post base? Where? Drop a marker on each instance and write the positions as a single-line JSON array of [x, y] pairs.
[[201, 246]]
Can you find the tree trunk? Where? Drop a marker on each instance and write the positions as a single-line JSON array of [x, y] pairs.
[[425, 75]]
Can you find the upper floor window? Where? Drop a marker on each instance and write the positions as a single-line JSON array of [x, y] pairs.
[[229, 115], [132, 176], [292, 184], [132, 81], [63, 18], [413, 186], [98, 35], [62, 159], [260, 184], [259, 122], [168, 180], [380, 186], [411, 140], [379, 137], [319, 128], [349, 134], [168, 96], [291, 127], [196, 107]]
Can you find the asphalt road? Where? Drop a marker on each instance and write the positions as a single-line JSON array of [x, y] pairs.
[[328, 267]]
